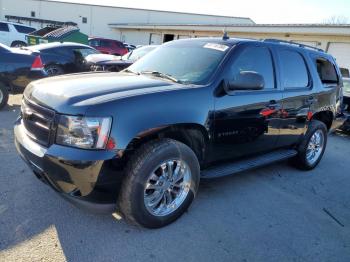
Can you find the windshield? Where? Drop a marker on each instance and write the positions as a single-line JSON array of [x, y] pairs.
[[190, 62], [138, 53]]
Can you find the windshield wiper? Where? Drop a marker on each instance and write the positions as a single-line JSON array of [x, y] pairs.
[[130, 71], [161, 75]]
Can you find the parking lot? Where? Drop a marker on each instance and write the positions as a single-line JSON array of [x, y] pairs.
[[275, 213]]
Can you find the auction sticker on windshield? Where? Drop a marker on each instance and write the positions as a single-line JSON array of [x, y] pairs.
[[218, 47]]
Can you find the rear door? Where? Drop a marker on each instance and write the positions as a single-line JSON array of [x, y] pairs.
[[297, 85], [247, 122], [4, 33]]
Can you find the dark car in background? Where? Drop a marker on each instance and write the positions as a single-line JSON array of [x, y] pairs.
[[17, 69], [108, 46], [63, 58], [114, 64]]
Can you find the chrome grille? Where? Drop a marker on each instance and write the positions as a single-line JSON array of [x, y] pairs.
[[38, 121]]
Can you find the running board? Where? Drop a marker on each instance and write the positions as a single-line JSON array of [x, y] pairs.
[[246, 164]]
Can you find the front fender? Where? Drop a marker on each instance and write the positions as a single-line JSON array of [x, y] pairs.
[[142, 114]]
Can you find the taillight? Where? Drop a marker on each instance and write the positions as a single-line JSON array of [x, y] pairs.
[[37, 64]]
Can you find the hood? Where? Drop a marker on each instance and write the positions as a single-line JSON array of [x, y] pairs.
[[116, 62], [23, 51], [95, 58], [72, 94]]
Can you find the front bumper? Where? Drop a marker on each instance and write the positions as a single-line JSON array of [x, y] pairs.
[[84, 177]]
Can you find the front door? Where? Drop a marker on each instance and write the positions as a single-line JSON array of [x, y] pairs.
[[247, 122]]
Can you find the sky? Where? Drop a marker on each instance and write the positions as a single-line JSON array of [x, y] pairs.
[[261, 11]]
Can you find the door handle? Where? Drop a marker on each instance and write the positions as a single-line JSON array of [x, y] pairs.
[[311, 100], [274, 105]]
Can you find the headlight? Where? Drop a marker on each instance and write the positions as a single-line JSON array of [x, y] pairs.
[[83, 132]]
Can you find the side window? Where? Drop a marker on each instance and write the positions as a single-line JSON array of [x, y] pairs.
[[4, 27], [24, 29], [120, 44], [294, 71], [105, 43], [257, 59], [326, 71], [94, 42], [62, 51], [84, 52], [345, 72]]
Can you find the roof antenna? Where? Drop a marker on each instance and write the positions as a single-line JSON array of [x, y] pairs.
[[225, 36]]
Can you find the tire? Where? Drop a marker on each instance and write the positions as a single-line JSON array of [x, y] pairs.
[[142, 168], [18, 44], [4, 96], [54, 70], [303, 160]]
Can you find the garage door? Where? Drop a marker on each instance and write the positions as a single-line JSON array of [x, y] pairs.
[[155, 39], [341, 52]]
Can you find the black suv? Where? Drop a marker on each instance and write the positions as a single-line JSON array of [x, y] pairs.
[[139, 141]]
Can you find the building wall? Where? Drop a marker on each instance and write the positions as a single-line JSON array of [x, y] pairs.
[[98, 17], [325, 42]]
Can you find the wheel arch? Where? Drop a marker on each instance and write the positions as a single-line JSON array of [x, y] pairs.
[[5, 84], [195, 136], [18, 41], [324, 116], [52, 63]]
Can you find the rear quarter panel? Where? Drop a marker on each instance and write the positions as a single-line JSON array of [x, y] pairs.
[[15, 69]]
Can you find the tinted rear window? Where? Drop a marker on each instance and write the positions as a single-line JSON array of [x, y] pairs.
[[4, 27], [24, 29], [294, 71], [326, 71]]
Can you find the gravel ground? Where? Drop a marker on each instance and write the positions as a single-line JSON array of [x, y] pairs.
[[275, 213]]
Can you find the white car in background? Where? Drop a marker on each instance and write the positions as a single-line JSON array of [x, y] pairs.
[[14, 34]]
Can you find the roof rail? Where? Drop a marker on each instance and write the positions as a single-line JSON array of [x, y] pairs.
[[271, 40]]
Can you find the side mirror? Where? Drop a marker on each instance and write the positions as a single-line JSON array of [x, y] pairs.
[[247, 80]]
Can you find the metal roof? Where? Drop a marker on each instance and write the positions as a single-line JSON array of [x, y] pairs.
[[115, 5], [312, 29], [234, 25]]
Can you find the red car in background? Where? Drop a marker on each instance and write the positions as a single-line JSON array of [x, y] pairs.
[[108, 46]]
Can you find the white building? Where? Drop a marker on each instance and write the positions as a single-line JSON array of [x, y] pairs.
[[95, 20], [140, 26]]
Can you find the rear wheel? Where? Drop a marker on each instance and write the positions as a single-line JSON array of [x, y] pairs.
[[161, 182], [312, 148], [54, 70], [18, 44], [4, 95]]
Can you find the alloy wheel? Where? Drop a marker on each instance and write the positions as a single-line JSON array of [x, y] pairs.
[[315, 147], [167, 187]]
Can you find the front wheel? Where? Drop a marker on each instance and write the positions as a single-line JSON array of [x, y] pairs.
[[312, 148], [161, 182]]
